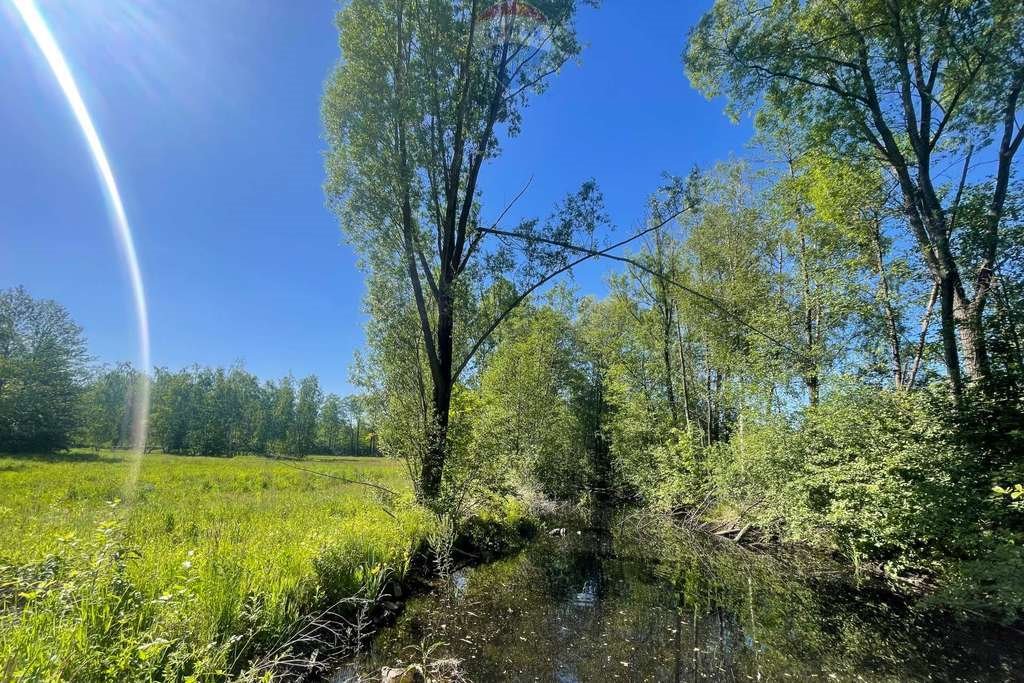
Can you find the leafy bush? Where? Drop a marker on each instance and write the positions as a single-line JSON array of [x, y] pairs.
[[882, 476], [672, 476], [501, 526], [892, 478], [753, 472]]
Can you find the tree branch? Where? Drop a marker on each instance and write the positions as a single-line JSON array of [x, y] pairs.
[[650, 271], [588, 254]]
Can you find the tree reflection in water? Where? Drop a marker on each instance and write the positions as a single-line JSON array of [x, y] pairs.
[[636, 600]]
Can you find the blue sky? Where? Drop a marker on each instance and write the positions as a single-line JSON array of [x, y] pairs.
[[209, 112]]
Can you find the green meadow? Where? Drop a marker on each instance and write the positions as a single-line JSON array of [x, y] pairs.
[[187, 567]]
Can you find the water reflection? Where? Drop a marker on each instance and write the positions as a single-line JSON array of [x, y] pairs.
[[635, 602]]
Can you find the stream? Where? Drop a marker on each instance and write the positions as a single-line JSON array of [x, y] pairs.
[[618, 598]]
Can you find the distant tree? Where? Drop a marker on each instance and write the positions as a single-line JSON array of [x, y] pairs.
[[213, 411], [302, 438], [108, 405], [355, 408], [246, 403], [331, 429], [42, 372], [282, 415], [264, 408], [170, 410]]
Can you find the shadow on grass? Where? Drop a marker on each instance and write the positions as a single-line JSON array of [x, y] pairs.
[[71, 456]]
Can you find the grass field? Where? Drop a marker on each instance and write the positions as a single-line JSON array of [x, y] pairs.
[[194, 569]]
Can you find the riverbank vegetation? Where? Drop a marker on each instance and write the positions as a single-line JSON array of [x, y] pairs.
[[821, 341]]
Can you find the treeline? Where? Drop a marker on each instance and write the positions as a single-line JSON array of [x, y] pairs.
[[52, 398], [213, 411]]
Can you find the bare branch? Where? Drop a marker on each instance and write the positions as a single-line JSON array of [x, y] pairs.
[[475, 241]]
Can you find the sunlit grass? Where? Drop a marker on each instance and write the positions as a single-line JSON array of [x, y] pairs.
[[200, 543]]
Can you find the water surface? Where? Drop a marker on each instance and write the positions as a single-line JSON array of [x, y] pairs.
[[624, 599]]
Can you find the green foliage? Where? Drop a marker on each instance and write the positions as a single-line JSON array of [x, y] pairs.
[[752, 472], [882, 475], [107, 405], [42, 371], [201, 569], [889, 478], [332, 426], [498, 527], [412, 112], [369, 551], [674, 477], [528, 421], [912, 90], [77, 615], [208, 411]]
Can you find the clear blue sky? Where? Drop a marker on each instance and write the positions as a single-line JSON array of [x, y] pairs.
[[209, 111]]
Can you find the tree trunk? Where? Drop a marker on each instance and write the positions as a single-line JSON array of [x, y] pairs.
[[711, 413], [811, 379], [891, 318], [968, 317], [950, 352], [666, 351], [437, 446], [682, 374]]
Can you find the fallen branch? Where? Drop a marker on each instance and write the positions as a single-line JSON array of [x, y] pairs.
[[370, 484]]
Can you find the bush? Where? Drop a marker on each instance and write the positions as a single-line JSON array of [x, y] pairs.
[[892, 478], [882, 475], [752, 473], [501, 526], [673, 477]]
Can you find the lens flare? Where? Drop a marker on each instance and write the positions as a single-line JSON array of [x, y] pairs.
[[47, 44]]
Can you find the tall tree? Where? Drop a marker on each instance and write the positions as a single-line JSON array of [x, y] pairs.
[[331, 425], [912, 84], [307, 410], [42, 372], [412, 113]]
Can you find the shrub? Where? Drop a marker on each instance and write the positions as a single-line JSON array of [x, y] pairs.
[[893, 478], [675, 472], [499, 527]]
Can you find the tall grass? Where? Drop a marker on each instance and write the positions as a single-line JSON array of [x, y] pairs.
[[199, 569]]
